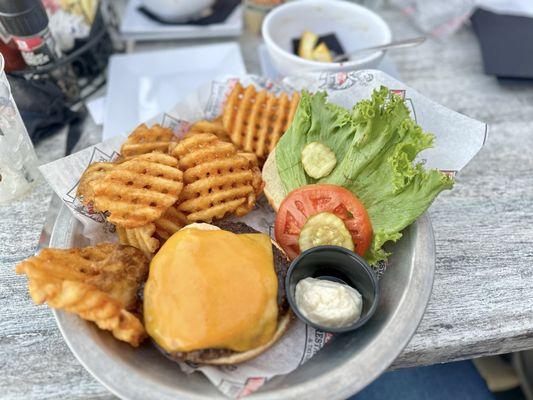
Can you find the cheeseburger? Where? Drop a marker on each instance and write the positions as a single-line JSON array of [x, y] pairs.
[[215, 294]]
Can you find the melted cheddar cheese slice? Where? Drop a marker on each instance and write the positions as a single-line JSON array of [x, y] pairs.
[[212, 289]]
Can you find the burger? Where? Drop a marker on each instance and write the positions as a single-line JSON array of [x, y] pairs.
[[215, 294]]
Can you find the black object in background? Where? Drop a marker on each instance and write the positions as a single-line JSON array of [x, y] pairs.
[[506, 43], [219, 13], [23, 17], [331, 41], [88, 59], [90, 55], [42, 106]]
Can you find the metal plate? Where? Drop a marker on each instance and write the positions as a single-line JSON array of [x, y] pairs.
[[346, 365]]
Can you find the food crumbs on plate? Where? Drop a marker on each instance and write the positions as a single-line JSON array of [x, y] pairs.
[[327, 303]]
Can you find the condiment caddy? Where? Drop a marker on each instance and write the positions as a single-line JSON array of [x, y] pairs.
[[78, 72]]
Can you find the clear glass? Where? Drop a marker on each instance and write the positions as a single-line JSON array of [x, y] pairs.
[[18, 161]]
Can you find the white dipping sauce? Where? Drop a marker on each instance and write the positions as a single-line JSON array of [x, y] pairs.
[[329, 304]]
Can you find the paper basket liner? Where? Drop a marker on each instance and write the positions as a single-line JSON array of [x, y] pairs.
[[457, 140]]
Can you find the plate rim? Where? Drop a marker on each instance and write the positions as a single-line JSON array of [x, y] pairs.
[[339, 377]]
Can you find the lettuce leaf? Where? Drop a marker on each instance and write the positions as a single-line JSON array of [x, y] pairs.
[[375, 144]]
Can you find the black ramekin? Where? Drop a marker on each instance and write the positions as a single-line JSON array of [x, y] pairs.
[[336, 264]]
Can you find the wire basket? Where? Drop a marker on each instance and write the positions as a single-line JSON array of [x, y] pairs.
[[88, 60]]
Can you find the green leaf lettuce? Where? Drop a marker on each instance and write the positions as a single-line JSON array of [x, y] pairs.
[[375, 144]]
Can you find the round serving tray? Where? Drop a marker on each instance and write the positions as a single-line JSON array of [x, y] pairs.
[[343, 367]]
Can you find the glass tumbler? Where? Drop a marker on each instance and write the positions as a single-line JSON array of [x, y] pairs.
[[18, 161]]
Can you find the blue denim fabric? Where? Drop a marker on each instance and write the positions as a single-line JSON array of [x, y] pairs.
[[452, 381]]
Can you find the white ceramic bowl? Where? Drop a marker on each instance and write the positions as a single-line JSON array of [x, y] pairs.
[[177, 10], [355, 26]]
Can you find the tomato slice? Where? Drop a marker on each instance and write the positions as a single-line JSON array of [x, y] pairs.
[[308, 200]]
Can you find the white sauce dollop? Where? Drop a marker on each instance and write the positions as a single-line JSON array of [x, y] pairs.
[[329, 304]]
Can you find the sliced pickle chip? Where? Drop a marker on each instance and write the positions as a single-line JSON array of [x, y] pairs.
[[325, 229], [318, 160]]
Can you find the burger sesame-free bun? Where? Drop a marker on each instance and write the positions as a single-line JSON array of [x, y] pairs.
[[284, 321], [274, 190], [201, 226]]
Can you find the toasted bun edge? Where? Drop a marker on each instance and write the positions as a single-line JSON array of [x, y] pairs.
[[274, 190]]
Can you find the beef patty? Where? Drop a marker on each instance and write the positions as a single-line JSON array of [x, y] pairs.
[[281, 265]]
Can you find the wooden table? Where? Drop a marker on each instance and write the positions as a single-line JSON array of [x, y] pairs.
[[482, 297]]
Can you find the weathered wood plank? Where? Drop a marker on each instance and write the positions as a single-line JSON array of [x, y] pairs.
[[481, 301]]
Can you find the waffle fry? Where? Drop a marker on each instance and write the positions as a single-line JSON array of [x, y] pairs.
[[138, 191], [93, 172], [257, 182], [171, 222], [215, 127], [150, 237], [98, 283], [218, 181], [255, 120], [140, 238], [126, 327], [145, 140]]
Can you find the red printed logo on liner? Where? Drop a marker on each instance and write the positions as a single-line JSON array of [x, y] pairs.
[[399, 92]]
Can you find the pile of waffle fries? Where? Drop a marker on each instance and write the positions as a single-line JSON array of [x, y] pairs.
[[159, 184]]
